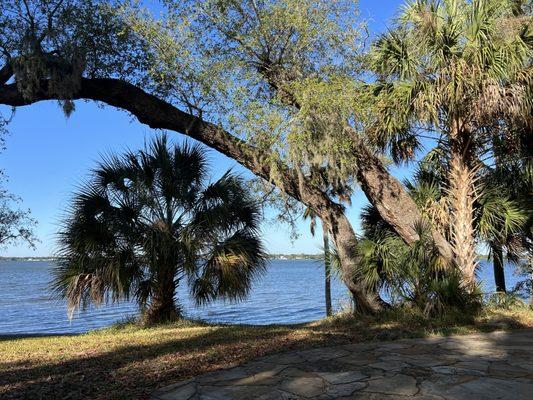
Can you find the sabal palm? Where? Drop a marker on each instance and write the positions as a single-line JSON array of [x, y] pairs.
[[148, 220], [499, 220], [461, 69], [500, 214]]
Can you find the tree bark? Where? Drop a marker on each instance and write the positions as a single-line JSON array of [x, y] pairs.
[[162, 307], [499, 273], [366, 300], [461, 194], [391, 199], [327, 269]]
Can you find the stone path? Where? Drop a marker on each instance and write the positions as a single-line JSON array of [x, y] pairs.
[[498, 365]]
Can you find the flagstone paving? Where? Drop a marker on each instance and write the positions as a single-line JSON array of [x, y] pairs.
[[496, 365]]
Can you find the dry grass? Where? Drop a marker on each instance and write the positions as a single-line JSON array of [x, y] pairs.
[[128, 361]]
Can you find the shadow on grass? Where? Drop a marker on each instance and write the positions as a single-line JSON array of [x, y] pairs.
[[135, 370], [479, 366]]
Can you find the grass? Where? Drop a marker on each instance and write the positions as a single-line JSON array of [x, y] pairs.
[[129, 361]]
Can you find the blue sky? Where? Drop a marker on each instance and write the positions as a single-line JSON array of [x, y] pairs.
[[47, 155]]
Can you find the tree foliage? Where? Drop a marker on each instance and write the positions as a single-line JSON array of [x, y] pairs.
[[462, 70], [16, 224]]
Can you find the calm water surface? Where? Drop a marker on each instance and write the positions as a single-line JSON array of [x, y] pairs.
[[290, 292]]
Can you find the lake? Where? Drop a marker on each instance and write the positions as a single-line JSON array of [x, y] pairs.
[[291, 291]]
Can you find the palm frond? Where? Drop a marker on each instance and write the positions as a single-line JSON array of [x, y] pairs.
[[146, 219]]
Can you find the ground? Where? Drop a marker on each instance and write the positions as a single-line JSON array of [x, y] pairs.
[[128, 361], [496, 365]]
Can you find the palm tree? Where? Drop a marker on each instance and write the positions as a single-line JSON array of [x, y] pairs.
[[148, 220], [413, 275], [499, 216], [512, 174], [499, 222], [457, 70]]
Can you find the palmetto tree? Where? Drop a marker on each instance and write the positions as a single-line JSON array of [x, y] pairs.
[[500, 214], [499, 220], [458, 69], [512, 174], [148, 220]]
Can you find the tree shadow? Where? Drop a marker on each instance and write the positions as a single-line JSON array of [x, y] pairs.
[[136, 370], [485, 365], [139, 369]]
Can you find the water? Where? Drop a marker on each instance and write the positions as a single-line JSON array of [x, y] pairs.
[[291, 291]]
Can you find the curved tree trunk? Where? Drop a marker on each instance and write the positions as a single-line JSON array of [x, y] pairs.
[[381, 188], [391, 199], [366, 300]]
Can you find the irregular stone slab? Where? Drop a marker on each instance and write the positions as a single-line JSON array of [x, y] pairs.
[[472, 367], [478, 365], [295, 372], [266, 378], [184, 392], [456, 371], [381, 396], [233, 392], [425, 360], [399, 384], [285, 359], [327, 366], [389, 365], [505, 370], [481, 388], [305, 386], [349, 389], [324, 353], [358, 359], [337, 378], [528, 366], [277, 395]]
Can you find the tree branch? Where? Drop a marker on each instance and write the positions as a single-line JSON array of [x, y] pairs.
[[159, 114], [6, 72]]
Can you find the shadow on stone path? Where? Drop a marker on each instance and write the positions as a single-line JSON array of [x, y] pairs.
[[496, 365]]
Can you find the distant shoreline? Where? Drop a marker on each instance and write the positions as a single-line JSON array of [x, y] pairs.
[[29, 259], [299, 256], [273, 256]]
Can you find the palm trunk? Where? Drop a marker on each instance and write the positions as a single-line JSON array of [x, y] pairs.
[[461, 194], [327, 270], [499, 273], [162, 307]]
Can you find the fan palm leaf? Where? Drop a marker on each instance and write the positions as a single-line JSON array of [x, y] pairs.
[[148, 219]]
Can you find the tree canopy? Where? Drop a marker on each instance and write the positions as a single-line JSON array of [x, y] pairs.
[[281, 86]]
